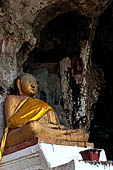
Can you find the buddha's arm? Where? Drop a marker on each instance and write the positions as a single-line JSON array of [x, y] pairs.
[[54, 121], [53, 117], [8, 107], [11, 102], [50, 119]]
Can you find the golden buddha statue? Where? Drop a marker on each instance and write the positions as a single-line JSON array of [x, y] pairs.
[[28, 117]]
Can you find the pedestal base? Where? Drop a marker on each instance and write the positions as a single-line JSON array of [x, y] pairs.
[[42, 156]]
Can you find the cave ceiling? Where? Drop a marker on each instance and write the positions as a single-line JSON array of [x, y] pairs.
[[22, 22]]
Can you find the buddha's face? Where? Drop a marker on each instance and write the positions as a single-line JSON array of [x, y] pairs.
[[28, 85]]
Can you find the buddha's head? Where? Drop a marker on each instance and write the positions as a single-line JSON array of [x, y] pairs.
[[27, 85]]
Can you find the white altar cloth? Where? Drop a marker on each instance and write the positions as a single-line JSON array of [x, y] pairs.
[[58, 154]]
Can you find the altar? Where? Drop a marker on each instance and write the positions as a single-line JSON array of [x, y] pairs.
[[44, 156]]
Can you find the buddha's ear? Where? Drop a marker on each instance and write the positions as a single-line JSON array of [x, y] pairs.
[[19, 86]]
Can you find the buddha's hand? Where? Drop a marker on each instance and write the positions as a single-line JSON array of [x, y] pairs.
[[58, 127]]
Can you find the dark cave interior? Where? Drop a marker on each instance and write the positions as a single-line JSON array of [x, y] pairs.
[[56, 43], [102, 55]]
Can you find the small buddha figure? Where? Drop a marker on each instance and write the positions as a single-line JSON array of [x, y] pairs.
[[28, 117]]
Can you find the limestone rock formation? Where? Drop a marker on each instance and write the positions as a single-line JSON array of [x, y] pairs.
[[21, 23]]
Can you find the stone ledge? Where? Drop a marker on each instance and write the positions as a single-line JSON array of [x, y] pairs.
[[30, 158], [68, 166]]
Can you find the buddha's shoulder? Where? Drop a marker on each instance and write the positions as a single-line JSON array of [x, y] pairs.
[[14, 98]]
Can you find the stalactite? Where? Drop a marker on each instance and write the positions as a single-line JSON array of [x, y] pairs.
[[65, 67], [82, 112]]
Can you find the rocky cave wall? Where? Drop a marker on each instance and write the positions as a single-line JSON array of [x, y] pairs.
[[102, 55], [21, 23]]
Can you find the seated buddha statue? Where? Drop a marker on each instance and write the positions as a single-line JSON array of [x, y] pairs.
[[28, 117]]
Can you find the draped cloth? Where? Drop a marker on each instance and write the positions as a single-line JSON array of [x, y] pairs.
[[28, 110]]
